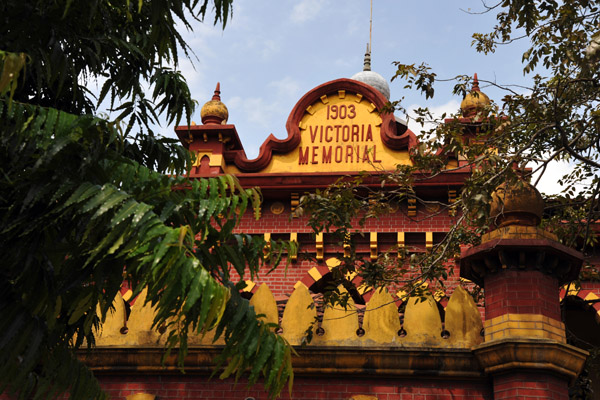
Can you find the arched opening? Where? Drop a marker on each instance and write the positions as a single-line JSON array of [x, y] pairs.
[[582, 325], [329, 283], [204, 165]]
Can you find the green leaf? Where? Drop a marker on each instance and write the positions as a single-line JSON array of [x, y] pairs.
[[207, 301], [196, 290], [264, 352], [79, 308]]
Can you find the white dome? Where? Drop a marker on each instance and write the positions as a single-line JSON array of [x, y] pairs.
[[375, 80]]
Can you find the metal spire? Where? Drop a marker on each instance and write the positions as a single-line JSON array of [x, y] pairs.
[[367, 63], [368, 76], [371, 28]]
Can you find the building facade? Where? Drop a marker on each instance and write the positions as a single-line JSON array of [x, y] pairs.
[[385, 345]]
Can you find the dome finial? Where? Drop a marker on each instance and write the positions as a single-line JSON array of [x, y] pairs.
[[516, 203], [475, 101], [368, 76], [214, 111], [372, 78], [367, 63]]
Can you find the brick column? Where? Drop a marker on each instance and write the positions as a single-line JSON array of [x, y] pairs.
[[522, 303], [529, 386], [521, 292], [521, 268]]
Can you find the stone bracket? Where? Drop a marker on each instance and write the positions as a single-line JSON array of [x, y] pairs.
[[294, 238], [429, 240], [319, 246], [373, 246], [401, 244], [267, 248], [347, 245]]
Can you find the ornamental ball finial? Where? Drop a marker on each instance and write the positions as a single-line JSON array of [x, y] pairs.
[[475, 101], [214, 111], [519, 203]]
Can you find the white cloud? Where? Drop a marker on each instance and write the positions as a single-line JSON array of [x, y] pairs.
[[257, 117], [234, 103], [255, 47], [306, 10], [269, 47], [286, 87], [256, 112], [193, 72], [555, 170], [448, 108], [260, 112], [548, 184]]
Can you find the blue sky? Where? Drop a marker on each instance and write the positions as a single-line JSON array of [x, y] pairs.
[[272, 52]]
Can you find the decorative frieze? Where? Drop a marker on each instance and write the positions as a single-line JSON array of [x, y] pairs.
[[339, 325]]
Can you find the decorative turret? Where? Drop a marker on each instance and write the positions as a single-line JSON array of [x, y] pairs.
[[521, 267], [211, 140], [473, 123], [516, 211], [372, 78], [475, 101], [214, 111]]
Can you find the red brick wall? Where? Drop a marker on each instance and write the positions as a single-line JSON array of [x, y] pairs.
[[591, 286], [193, 387], [393, 222], [529, 386]]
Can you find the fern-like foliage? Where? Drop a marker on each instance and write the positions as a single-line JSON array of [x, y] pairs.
[[82, 208]]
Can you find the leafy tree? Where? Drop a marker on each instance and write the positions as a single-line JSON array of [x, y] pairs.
[[556, 118], [87, 202]]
